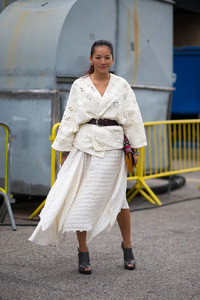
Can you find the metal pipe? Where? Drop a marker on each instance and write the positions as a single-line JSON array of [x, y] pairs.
[[152, 87], [24, 94], [167, 1], [28, 91], [8, 206]]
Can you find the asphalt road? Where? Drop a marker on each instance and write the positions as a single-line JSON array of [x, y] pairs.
[[166, 244]]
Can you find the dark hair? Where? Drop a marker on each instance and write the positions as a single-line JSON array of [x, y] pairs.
[[97, 44]]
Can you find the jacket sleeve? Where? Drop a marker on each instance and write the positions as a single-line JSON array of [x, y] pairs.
[[69, 124], [132, 120]]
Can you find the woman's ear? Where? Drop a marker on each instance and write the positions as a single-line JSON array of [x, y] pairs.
[[91, 60]]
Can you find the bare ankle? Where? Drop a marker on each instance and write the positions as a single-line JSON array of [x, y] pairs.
[[127, 244], [83, 248]]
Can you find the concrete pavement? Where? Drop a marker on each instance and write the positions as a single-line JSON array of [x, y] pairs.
[[166, 244]]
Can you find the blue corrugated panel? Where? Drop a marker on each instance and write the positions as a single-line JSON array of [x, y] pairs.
[[186, 98]]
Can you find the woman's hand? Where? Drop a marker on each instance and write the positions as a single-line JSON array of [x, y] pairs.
[[136, 157], [64, 156]]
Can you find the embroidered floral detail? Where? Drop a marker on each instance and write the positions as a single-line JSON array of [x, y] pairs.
[[71, 141], [82, 89], [70, 108], [101, 144], [89, 96], [126, 115], [66, 118], [133, 100], [117, 115], [90, 113], [62, 142], [115, 104], [125, 96]]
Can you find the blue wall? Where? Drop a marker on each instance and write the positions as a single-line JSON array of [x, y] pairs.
[[186, 97]]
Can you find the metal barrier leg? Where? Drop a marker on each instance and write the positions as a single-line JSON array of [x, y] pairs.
[[38, 209], [3, 212], [6, 191], [133, 191], [151, 193], [145, 195], [7, 201], [137, 188]]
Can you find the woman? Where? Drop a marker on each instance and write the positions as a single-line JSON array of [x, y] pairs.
[[90, 191]]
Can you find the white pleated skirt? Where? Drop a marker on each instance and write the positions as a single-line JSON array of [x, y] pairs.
[[87, 195]]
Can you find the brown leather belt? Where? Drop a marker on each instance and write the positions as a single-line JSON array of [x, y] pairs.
[[103, 122]]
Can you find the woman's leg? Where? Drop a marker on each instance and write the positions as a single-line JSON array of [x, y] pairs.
[[81, 236], [124, 222]]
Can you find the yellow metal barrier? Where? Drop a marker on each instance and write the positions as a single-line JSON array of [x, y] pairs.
[[6, 190], [173, 147], [53, 168]]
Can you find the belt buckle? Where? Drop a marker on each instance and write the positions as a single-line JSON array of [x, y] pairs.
[[97, 121]]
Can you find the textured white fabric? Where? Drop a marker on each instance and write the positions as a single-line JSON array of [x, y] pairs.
[[85, 102], [88, 194]]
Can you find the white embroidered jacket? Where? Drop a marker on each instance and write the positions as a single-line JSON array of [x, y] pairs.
[[85, 102]]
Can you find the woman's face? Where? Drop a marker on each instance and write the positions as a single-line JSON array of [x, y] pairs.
[[102, 59]]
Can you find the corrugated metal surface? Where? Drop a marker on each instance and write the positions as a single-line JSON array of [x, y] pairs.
[[87, 21], [31, 115], [44, 40], [145, 52], [5, 3], [30, 35]]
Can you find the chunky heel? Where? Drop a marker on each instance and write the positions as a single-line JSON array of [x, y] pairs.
[[128, 258], [84, 263]]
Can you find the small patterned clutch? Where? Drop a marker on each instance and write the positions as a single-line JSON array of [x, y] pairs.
[[129, 157]]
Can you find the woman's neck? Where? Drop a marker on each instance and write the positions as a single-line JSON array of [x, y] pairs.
[[100, 77]]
